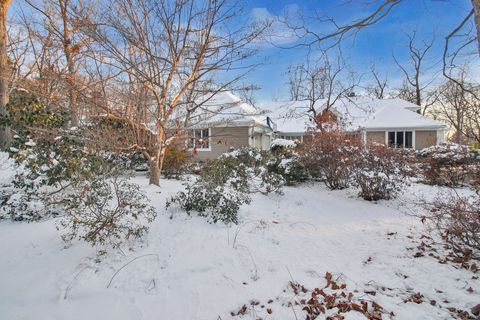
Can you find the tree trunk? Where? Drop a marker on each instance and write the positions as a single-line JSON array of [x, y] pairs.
[[154, 172], [5, 134], [69, 51]]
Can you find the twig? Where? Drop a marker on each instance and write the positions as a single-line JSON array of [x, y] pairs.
[[71, 282], [237, 232], [139, 257]]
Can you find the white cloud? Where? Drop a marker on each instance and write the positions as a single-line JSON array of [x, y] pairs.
[[278, 33]]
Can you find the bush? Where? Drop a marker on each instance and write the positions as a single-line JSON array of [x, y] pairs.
[[226, 183], [457, 218], [216, 203], [286, 162], [47, 167], [47, 164], [175, 162], [106, 210], [381, 172], [249, 166], [60, 172], [282, 144], [449, 165], [332, 156]]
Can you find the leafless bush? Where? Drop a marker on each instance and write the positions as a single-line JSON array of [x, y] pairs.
[[457, 218]]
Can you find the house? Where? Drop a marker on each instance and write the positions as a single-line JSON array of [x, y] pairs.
[[226, 122], [223, 122], [394, 122]]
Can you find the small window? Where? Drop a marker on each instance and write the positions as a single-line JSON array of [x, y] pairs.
[[199, 139], [205, 139], [408, 139], [391, 138], [399, 142]]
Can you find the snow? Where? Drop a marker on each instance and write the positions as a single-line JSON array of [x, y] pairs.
[[189, 269], [225, 109], [283, 143], [370, 113], [289, 116], [356, 112], [30, 143]]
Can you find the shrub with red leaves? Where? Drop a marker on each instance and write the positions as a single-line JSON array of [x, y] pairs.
[[332, 156], [449, 165]]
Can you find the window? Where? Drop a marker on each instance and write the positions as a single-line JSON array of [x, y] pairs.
[[294, 138], [408, 139], [400, 139], [199, 139]]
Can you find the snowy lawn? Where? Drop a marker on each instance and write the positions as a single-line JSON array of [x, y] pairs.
[[189, 269]]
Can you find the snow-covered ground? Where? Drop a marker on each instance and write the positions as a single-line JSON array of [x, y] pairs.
[[189, 269]]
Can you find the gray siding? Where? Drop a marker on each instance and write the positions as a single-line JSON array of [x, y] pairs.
[[424, 139], [224, 138], [376, 137]]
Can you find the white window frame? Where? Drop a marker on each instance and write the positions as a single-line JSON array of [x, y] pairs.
[[404, 140], [201, 137], [292, 137]]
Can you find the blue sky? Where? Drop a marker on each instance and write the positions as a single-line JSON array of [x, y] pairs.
[[377, 44]]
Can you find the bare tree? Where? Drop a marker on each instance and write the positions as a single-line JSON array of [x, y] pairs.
[[476, 14], [415, 68], [379, 88], [247, 94], [459, 108], [321, 81], [4, 74], [58, 36], [310, 35], [168, 54], [307, 29]]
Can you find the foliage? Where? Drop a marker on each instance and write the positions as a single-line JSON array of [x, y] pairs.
[[60, 173], [106, 210], [226, 183], [287, 162], [25, 111], [217, 203], [332, 156], [381, 172], [250, 167], [331, 300], [44, 165], [282, 144], [449, 165], [175, 162]]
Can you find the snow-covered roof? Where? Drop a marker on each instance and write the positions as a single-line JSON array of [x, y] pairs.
[[225, 109], [370, 113], [355, 112], [289, 116]]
